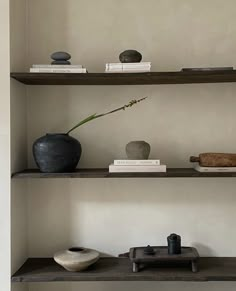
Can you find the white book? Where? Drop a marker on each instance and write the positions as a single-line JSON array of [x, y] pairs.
[[137, 162], [128, 65], [57, 66], [128, 71], [60, 70], [137, 169], [136, 67], [128, 68], [214, 169]]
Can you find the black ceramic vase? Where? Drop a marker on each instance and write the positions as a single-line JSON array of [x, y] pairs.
[[56, 153], [174, 244]]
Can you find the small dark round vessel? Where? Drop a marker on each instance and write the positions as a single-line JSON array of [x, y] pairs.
[[149, 251], [56, 153], [130, 56]]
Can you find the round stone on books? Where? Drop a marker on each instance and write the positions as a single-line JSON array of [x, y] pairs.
[[130, 56], [61, 56], [138, 150], [60, 63]]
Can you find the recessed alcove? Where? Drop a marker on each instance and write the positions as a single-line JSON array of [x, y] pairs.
[[178, 120]]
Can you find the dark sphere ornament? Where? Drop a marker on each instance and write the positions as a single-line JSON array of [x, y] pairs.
[[57, 153], [61, 63], [130, 56], [60, 56]]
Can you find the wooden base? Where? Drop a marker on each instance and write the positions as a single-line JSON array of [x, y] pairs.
[[135, 267], [189, 256], [194, 267]]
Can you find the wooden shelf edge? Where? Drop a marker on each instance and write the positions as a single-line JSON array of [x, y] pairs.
[[120, 269], [150, 78], [104, 173]]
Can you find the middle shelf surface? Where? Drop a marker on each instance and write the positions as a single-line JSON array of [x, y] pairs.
[[104, 173], [120, 269]]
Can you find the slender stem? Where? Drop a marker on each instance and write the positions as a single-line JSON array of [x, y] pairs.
[[95, 116]]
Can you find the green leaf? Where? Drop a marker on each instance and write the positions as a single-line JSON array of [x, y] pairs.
[[95, 116], [89, 118]]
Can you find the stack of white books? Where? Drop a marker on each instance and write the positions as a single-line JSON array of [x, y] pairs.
[[128, 67], [201, 169], [57, 69], [137, 166]]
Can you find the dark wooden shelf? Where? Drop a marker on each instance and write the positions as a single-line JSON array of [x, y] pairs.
[[153, 78], [103, 173], [120, 269]]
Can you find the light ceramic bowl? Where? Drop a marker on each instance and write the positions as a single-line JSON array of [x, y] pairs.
[[76, 259]]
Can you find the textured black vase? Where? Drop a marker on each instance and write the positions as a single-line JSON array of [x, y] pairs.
[[56, 153]]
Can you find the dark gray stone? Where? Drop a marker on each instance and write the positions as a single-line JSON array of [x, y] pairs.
[[61, 56], [60, 63], [130, 56], [56, 153]]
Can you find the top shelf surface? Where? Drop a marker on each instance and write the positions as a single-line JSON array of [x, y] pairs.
[[152, 78]]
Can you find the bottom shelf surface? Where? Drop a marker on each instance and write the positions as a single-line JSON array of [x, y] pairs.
[[120, 269]]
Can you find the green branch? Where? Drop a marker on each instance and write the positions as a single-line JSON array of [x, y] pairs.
[[95, 116]]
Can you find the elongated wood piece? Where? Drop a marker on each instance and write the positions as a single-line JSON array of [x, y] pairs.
[[215, 160]]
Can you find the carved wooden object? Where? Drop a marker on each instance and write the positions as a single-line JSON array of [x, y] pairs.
[[215, 160], [161, 257]]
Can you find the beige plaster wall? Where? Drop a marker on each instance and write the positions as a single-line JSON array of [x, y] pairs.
[[18, 50], [177, 120], [5, 271]]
